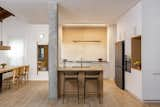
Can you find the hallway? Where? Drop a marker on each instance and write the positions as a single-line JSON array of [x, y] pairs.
[[35, 94]]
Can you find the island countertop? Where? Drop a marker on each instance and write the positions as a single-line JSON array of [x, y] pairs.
[[90, 68]]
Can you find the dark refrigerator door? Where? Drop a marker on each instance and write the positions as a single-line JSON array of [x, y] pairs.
[[119, 64]]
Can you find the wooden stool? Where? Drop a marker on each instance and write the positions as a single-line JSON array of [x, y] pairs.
[[92, 75], [68, 76]]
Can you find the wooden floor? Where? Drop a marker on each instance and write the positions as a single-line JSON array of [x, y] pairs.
[[35, 94]]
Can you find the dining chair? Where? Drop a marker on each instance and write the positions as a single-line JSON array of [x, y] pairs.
[[26, 73], [16, 77], [7, 81], [22, 74]]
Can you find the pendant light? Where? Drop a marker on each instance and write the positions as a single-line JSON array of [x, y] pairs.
[[4, 14], [2, 47]]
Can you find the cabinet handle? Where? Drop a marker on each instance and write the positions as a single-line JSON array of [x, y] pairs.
[[156, 73]]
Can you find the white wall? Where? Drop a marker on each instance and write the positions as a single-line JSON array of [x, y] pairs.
[[33, 40], [109, 68], [14, 33], [129, 25], [151, 49], [23, 39]]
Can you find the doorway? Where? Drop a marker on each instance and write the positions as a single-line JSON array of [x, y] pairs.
[[42, 59]]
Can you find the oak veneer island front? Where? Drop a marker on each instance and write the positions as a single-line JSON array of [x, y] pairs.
[[91, 85]]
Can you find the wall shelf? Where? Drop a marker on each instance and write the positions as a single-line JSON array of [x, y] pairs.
[[76, 41], [5, 47], [136, 52]]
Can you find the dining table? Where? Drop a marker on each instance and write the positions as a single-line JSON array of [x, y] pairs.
[[5, 70]]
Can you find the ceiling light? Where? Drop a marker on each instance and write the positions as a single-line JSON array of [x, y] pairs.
[[41, 36]]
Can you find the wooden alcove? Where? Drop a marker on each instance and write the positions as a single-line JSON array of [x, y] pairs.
[[136, 52]]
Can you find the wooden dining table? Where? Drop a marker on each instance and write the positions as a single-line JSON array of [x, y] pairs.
[[6, 70], [81, 77]]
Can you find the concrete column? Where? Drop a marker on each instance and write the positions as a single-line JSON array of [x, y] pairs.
[[53, 44]]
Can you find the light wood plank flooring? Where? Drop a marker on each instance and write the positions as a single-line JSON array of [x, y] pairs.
[[35, 94]]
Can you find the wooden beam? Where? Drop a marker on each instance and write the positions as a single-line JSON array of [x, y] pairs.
[[4, 14]]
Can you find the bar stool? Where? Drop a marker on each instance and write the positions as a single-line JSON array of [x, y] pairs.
[[70, 76], [92, 75]]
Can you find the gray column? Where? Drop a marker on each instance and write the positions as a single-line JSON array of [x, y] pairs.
[[53, 44]]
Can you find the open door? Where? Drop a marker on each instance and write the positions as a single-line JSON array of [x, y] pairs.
[[119, 65]]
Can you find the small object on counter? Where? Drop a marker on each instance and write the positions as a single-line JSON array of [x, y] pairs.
[[64, 62], [100, 59], [3, 65]]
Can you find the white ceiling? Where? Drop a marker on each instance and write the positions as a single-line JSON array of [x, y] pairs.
[[33, 11], [93, 11], [70, 11]]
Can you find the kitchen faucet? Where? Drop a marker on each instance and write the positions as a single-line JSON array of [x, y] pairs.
[[81, 63]]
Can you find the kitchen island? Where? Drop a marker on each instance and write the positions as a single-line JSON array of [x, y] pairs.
[[81, 77]]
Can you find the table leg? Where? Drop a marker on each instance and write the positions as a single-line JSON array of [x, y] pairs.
[[1, 82]]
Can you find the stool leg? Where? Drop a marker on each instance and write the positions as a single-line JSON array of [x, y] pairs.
[[84, 91], [98, 90], [63, 90], [78, 90]]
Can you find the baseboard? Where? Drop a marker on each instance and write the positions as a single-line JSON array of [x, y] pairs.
[[151, 101], [131, 94]]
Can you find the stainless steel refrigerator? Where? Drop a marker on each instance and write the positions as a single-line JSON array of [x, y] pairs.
[[119, 64]]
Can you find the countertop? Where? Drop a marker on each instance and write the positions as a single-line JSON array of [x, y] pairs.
[[91, 68]]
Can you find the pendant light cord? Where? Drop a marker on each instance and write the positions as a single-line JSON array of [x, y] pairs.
[[1, 31]]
